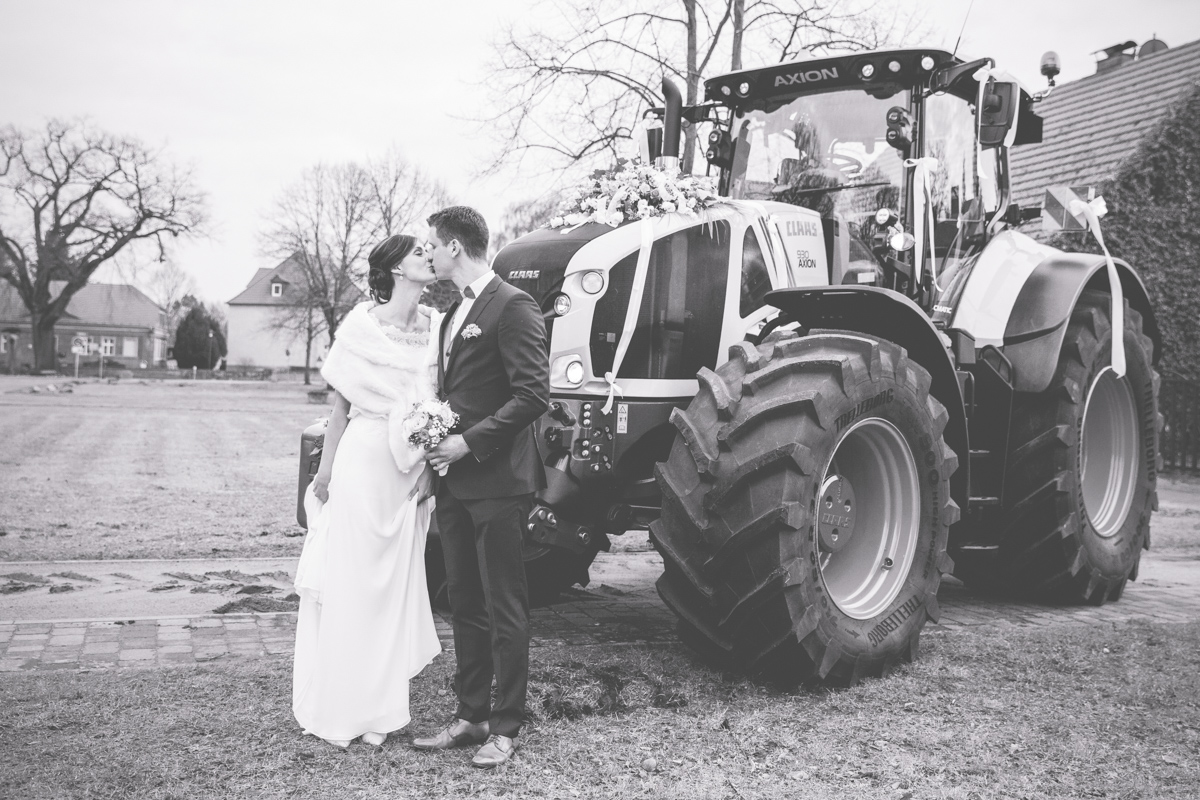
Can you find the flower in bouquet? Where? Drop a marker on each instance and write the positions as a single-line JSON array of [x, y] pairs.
[[634, 190], [429, 422]]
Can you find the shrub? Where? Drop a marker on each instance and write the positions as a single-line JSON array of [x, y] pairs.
[[192, 347]]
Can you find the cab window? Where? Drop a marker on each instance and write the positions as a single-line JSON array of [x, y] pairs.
[[756, 281], [963, 194]]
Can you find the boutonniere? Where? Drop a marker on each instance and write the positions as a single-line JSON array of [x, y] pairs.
[[471, 332]]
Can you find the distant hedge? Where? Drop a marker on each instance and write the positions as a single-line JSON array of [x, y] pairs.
[[1153, 222]]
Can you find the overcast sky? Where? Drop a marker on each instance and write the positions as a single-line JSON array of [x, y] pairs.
[[251, 93]]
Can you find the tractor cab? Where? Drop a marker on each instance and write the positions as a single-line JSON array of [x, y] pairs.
[[890, 148]]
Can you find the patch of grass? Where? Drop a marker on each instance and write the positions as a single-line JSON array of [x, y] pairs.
[[157, 470], [1047, 713]]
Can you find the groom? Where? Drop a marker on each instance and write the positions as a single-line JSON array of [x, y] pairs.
[[493, 370]]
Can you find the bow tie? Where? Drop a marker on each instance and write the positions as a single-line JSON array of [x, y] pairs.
[[469, 293]]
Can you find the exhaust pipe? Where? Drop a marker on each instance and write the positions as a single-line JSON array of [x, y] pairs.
[[673, 113]]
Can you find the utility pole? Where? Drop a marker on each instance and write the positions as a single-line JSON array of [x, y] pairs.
[[210, 361]]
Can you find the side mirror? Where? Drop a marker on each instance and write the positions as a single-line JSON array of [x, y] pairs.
[[999, 112]]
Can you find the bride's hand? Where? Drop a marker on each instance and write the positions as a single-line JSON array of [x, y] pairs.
[[423, 489], [320, 486]]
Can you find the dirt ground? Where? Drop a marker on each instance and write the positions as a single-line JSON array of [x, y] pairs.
[[150, 469], [176, 469]]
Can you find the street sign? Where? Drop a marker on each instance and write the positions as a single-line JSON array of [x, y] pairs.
[[79, 345]]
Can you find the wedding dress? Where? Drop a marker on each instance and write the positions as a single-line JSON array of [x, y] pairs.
[[365, 627]]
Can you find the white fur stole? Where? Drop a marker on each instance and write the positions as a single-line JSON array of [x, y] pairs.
[[380, 377]]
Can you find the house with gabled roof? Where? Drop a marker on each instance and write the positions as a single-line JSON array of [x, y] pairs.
[[1131, 132], [1093, 126], [263, 329], [125, 325]]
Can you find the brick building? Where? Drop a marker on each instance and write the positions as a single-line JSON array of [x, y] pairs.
[[128, 327]]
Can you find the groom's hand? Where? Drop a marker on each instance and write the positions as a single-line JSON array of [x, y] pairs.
[[451, 449]]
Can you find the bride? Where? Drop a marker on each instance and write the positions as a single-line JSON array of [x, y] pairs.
[[365, 628]]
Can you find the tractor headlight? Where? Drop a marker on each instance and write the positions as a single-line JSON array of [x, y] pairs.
[[562, 304], [867, 70], [927, 63], [743, 88], [592, 282], [893, 66], [567, 371], [575, 373]]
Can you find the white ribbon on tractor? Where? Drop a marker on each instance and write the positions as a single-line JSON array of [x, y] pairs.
[[1091, 212], [923, 214], [632, 312]]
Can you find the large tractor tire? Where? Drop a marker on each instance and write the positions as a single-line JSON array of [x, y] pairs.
[[806, 508], [1082, 468]]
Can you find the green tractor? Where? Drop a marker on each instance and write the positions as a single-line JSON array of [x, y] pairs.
[[853, 377]]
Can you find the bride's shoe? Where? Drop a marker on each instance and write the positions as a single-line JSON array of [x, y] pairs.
[[340, 743], [374, 739]]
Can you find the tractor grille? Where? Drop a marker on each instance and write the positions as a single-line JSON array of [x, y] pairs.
[[536, 263]]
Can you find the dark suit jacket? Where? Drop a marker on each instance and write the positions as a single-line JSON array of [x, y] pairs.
[[498, 383]]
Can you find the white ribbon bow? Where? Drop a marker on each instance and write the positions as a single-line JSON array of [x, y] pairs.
[[1092, 212], [923, 214]]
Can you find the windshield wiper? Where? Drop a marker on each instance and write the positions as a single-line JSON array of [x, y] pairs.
[[801, 192]]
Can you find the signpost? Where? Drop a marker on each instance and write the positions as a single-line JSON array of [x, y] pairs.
[[79, 346], [95, 348]]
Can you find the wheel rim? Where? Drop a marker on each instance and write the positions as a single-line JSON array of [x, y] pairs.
[[864, 574], [1109, 452]]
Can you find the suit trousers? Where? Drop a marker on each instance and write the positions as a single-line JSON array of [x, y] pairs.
[[489, 604]]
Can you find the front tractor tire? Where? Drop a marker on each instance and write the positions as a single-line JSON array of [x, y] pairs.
[[806, 508], [1082, 468]]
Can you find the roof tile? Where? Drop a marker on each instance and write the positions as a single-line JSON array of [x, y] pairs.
[[1092, 125]]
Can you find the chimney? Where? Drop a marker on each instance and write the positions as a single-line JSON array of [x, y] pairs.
[[1115, 56]]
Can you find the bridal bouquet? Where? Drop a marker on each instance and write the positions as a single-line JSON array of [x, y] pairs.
[[428, 423], [635, 190]]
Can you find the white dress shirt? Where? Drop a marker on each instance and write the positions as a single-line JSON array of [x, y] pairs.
[[464, 308]]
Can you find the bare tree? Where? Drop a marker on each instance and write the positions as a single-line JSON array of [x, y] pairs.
[[403, 194], [72, 198], [169, 286], [577, 77], [521, 218], [328, 222]]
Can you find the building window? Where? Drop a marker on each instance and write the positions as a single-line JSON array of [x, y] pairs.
[[129, 347], [108, 345], [158, 349], [3, 342], [276, 290]]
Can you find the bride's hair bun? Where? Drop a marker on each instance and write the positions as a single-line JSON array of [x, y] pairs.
[[383, 259]]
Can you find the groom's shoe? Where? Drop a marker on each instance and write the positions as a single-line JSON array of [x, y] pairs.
[[497, 750], [460, 733]]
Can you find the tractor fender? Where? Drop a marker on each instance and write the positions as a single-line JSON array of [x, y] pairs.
[[1019, 296], [892, 316]]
